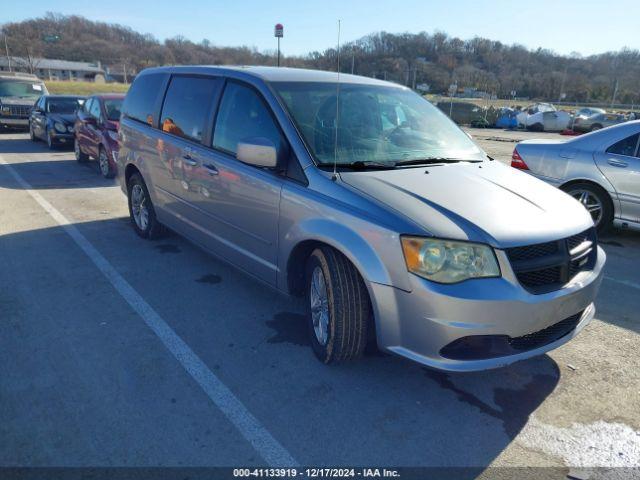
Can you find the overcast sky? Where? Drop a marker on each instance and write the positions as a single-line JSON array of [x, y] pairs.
[[586, 26]]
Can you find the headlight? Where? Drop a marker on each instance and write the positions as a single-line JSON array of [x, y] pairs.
[[70, 129], [448, 261], [60, 127]]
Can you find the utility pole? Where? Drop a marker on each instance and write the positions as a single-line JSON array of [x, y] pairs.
[[353, 61], [6, 48], [615, 93], [124, 68]]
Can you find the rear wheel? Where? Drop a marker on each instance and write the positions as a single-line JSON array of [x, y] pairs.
[[141, 211], [596, 201], [80, 156], [338, 305], [595, 127]]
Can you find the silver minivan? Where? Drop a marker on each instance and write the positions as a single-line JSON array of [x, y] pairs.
[[368, 201]]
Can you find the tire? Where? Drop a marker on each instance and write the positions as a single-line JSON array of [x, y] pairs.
[[104, 168], [32, 135], [595, 127], [51, 143], [587, 193], [151, 228], [346, 307], [81, 157], [536, 127]]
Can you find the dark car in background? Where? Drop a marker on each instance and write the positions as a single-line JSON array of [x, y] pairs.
[[52, 119], [96, 132]]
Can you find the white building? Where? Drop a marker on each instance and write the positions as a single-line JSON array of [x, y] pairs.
[[48, 69]]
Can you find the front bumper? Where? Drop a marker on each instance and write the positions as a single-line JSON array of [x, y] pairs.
[[64, 138], [14, 122], [420, 323]]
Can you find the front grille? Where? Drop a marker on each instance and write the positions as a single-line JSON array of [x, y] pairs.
[[545, 267], [576, 240], [533, 251], [20, 110], [546, 335], [538, 278]]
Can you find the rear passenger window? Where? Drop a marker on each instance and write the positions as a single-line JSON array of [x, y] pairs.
[[141, 98], [187, 106], [243, 115], [625, 147]]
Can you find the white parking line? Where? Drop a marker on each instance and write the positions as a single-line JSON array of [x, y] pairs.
[[628, 283], [250, 428]]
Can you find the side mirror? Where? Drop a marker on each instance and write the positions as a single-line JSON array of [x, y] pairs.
[[258, 151]]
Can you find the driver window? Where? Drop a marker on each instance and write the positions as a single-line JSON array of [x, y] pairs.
[[95, 109], [243, 115]]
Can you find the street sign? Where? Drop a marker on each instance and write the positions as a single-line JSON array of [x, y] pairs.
[[51, 38], [278, 30]]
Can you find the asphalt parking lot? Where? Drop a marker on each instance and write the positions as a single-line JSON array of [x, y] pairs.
[[115, 351]]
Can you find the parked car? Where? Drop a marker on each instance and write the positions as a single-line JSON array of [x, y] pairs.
[[597, 121], [18, 93], [600, 169], [52, 119], [96, 132], [386, 217], [543, 117], [588, 111]]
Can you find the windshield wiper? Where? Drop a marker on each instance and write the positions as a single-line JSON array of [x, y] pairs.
[[362, 165], [432, 160]]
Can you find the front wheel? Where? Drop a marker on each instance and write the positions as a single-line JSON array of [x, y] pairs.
[[32, 134], [596, 201], [104, 167], [81, 157], [51, 143], [339, 310], [141, 211]]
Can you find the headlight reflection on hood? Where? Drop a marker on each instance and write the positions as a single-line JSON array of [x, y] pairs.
[[449, 261]]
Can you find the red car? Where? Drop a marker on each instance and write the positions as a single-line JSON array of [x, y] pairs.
[[96, 132]]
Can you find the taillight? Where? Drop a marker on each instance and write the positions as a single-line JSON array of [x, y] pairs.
[[517, 161]]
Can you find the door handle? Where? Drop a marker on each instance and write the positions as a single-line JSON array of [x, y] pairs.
[[617, 163], [187, 159], [211, 169]]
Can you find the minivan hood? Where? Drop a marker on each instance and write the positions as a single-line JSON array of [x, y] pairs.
[[485, 202]]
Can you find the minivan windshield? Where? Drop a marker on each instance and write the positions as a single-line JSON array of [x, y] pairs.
[[376, 125], [14, 88]]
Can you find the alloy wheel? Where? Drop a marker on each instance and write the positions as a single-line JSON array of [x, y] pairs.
[[319, 306], [103, 163], [590, 201], [139, 207]]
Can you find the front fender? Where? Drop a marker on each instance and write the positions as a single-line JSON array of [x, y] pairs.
[[375, 252]]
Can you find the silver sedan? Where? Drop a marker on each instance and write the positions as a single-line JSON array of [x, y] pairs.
[[600, 169]]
